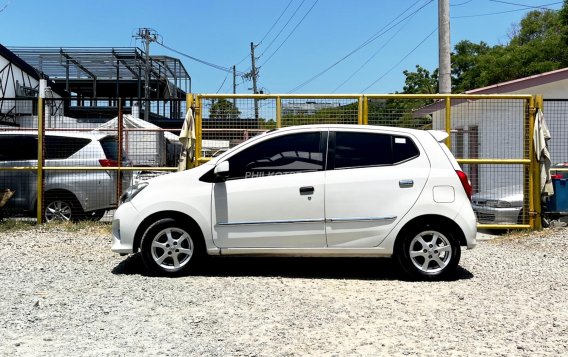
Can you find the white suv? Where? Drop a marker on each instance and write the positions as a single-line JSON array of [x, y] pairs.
[[323, 190], [69, 194]]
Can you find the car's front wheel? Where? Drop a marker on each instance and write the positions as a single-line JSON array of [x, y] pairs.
[[170, 247], [429, 252]]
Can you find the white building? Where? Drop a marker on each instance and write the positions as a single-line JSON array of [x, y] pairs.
[[494, 129]]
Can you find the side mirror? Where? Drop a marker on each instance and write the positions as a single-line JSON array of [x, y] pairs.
[[221, 171]]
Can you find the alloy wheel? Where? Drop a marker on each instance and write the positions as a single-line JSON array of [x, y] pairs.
[[430, 252]]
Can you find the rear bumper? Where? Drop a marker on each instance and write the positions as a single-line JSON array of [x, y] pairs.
[[466, 220]]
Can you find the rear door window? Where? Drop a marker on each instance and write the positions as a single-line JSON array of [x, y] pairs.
[[353, 149], [18, 147]]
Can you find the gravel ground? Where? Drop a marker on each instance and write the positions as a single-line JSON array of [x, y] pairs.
[[65, 293]]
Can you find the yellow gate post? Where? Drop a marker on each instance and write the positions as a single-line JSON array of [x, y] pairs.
[[198, 129], [536, 217]]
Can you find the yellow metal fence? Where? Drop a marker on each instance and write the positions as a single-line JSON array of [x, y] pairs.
[[490, 135]]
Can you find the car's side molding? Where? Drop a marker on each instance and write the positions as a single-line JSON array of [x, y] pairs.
[[250, 223], [362, 219], [317, 220]]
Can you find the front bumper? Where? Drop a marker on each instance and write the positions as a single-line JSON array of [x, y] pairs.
[[124, 225], [492, 215]]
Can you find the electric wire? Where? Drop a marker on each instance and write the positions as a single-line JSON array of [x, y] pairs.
[[401, 60], [505, 12], [221, 86], [461, 3], [212, 65], [290, 34], [373, 37], [282, 29], [372, 56], [542, 7], [275, 22]]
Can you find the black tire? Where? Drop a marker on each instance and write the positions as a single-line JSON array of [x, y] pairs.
[[61, 208], [94, 215], [428, 252], [520, 217], [173, 255]]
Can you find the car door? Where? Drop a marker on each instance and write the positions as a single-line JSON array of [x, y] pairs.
[[373, 181], [274, 195]]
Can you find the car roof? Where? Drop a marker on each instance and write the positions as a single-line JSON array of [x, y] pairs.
[[345, 126]]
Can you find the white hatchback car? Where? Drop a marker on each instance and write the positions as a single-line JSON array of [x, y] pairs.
[[318, 190]]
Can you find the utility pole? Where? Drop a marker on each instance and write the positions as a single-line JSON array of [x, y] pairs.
[[148, 35], [444, 63], [254, 74], [234, 85]]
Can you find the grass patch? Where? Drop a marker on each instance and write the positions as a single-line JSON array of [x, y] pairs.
[[12, 225], [8, 225]]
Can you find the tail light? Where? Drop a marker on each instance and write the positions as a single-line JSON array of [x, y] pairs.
[[465, 183], [108, 163], [557, 177]]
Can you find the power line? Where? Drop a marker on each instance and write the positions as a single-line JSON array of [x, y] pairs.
[[212, 65], [282, 29], [221, 86], [275, 22], [290, 34], [372, 56], [373, 37], [526, 6], [543, 7], [403, 58], [462, 3]]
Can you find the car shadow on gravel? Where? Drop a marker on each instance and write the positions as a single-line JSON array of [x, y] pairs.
[[318, 268]]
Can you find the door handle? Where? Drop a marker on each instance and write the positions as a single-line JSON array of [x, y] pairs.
[[405, 183], [307, 190]]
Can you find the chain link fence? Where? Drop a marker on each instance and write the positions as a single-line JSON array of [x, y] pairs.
[[88, 156]]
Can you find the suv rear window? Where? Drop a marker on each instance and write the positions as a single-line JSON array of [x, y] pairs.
[[368, 149], [110, 147]]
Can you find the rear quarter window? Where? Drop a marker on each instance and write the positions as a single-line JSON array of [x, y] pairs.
[[62, 147]]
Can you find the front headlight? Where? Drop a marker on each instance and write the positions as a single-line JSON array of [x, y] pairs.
[[132, 191]]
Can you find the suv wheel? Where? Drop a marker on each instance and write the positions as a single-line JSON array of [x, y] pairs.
[[94, 215], [170, 248], [429, 252], [59, 209]]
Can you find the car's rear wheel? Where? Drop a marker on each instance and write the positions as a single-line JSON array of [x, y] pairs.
[[94, 215], [170, 247], [429, 252], [61, 208]]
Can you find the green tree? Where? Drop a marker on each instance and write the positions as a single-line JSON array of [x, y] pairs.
[[539, 43], [223, 109], [421, 81]]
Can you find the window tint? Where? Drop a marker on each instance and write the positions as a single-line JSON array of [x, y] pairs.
[[287, 154], [18, 147], [62, 147], [367, 149]]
